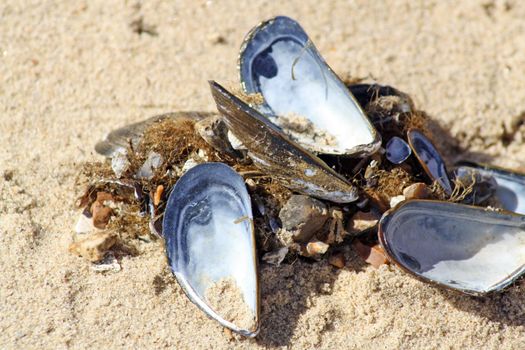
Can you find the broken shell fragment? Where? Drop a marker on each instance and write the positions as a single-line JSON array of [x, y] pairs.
[[276, 155], [275, 257], [397, 150], [465, 248], [279, 61], [210, 243], [147, 169], [508, 187], [430, 159]]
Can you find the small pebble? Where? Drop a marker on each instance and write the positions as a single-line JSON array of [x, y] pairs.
[[158, 195], [418, 190], [362, 221], [303, 216], [316, 248], [374, 255], [337, 260], [104, 196], [101, 215], [396, 200]]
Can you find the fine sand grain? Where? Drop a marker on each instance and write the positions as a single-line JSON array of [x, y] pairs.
[[70, 71]]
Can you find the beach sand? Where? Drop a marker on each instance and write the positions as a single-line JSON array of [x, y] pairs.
[[72, 71]]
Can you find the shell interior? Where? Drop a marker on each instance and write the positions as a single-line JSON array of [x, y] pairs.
[[510, 188], [279, 61], [461, 247], [278, 156], [430, 159], [209, 236]]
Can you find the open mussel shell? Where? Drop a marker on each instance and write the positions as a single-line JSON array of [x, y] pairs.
[[210, 244], [429, 158], [465, 248], [278, 156], [509, 189], [279, 61]]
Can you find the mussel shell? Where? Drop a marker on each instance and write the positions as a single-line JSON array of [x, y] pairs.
[[429, 158], [208, 227], [397, 150], [465, 248], [119, 140], [510, 185], [365, 93], [278, 60], [278, 156]]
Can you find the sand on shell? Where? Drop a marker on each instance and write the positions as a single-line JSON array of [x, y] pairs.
[[72, 71], [226, 299]]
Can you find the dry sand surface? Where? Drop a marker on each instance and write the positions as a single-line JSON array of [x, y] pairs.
[[72, 70]]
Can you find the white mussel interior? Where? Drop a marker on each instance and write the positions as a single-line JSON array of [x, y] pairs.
[[462, 247], [281, 63], [209, 237], [510, 190]]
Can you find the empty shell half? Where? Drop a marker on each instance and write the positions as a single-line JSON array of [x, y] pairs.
[[210, 244], [469, 249], [509, 187], [279, 61]]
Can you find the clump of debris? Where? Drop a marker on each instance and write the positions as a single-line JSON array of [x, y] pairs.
[[124, 197]]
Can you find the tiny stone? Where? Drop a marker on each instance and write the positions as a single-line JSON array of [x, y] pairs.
[[303, 216], [228, 333], [362, 221], [104, 196], [158, 195], [418, 190], [101, 215], [94, 247], [374, 255], [316, 248], [337, 260], [396, 200]]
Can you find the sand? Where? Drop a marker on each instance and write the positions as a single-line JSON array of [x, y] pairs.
[[72, 71], [225, 297]]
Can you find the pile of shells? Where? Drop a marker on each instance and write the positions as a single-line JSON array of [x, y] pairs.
[[323, 164]]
